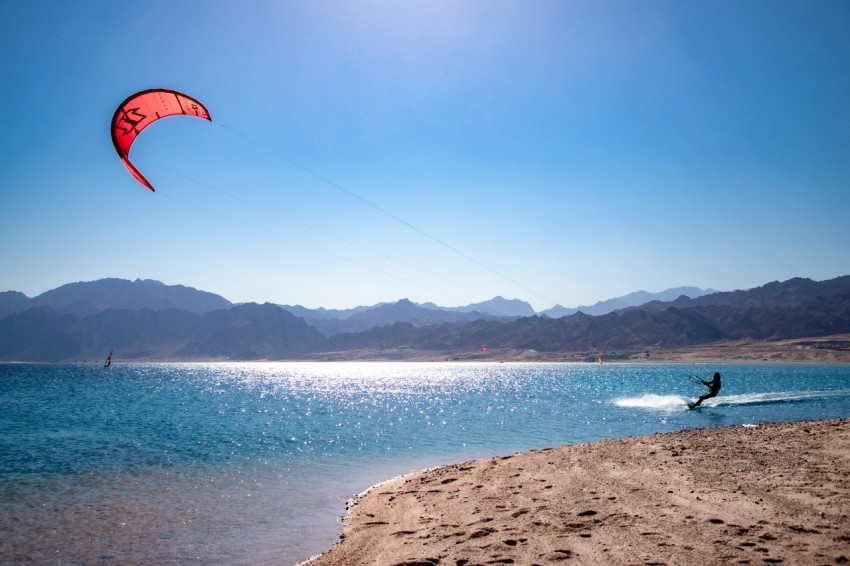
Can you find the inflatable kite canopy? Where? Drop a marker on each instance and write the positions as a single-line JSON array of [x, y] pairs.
[[143, 109]]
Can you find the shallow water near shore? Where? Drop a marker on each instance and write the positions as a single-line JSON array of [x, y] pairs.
[[252, 463]]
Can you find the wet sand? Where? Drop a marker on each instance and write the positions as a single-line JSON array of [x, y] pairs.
[[768, 494]]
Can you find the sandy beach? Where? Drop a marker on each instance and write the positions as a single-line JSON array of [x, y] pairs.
[[753, 494]]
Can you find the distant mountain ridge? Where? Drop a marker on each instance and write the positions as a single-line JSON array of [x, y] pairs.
[[795, 308], [360, 319], [631, 300], [85, 298], [391, 313], [497, 306], [802, 308], [792, 292]]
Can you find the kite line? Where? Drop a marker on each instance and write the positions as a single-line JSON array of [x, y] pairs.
[[331, 183], [318, 230]]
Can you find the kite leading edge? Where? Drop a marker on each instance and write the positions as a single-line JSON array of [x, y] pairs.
[[141, 110]]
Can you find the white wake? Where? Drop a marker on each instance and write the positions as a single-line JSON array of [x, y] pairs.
[[653, 401], [657, 402]]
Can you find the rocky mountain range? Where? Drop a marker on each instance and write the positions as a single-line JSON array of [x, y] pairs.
[[147, 320], [87, 298]]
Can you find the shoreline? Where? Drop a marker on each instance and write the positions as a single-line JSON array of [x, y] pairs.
[[833, 349], [766, 493]]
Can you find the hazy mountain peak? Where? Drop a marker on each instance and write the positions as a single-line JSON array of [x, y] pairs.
[[633, 299], [500, 306], [88, 297]]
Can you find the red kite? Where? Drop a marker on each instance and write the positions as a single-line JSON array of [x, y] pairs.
[[143, 109]]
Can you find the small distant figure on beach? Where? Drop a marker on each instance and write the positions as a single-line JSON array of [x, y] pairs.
[[713, 390]]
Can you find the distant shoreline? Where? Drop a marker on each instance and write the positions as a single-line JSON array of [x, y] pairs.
[[833, 349]]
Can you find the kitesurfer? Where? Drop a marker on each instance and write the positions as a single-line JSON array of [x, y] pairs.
[[713, 390]]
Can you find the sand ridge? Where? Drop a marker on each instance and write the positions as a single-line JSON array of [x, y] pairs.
[[774, 493]]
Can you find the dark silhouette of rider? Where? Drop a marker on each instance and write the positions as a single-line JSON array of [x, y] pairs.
[[713, 390]]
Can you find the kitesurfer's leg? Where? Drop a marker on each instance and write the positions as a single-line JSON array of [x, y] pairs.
[[702, 398]]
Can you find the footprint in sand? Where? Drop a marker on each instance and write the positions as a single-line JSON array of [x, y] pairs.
[[482, 533], [561, 554]]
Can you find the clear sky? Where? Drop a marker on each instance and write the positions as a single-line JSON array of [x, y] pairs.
[[447, 151]]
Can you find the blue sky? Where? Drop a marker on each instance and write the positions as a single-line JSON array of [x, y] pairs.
[[555, 152]]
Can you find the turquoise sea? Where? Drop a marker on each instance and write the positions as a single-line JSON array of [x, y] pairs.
[[253, 463]]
